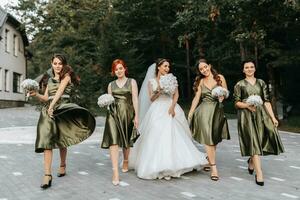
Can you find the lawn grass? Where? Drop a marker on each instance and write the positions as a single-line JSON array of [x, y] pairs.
[[291, 124]]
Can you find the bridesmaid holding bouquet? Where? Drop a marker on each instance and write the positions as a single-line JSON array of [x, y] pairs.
[[257, 125]]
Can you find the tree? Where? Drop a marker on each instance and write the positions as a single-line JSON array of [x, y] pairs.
[[86, 30]]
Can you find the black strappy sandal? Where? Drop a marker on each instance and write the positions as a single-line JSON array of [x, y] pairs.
[[62, 174], [47, 185], [214, 177], [207, 168], [250, 170]]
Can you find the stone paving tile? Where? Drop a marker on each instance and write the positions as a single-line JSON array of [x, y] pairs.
[[281, 173], [97, 183]]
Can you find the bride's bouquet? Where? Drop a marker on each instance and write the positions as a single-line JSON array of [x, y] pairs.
[[219, 92], [29, 85], [105, 100], [168, 83], [254, 100]]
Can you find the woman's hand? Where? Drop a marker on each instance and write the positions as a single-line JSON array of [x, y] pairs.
[[171, 111], [158, 91], [251, 108], [32, 93], [136, 121], [190, 115], [275, 121], [50, 111], [221, 99], [156, 94]]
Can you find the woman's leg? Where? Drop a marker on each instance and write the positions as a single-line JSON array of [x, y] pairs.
[[47, 168], [126, 152], [257, 166], [114, 156], [63, 157], [250, 165], [47, 160], [211, 154]]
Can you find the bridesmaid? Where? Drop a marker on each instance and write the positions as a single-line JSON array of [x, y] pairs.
[[207, 120], [257, 126], [119, 128], [61, 123]]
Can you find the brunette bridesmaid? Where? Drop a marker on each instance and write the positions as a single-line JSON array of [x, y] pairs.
[[257, 126], [207, 120], [61, 122]]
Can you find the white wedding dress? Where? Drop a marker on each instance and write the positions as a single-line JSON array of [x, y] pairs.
[[165, 147]]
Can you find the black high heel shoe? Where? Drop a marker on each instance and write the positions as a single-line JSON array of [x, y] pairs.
[[207, 167], [62, 174], [260, 183], [47, 185], [250, 170]]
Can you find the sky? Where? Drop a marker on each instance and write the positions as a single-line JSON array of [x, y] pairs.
[[5, 2]]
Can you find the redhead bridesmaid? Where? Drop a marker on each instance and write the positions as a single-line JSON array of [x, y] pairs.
[[119, 128]]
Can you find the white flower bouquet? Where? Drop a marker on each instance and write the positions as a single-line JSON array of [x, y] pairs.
[[105, 100], [168, 83], [29, 85], [254, 100], [219, 92]]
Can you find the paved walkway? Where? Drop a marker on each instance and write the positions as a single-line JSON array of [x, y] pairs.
[[89, 170]]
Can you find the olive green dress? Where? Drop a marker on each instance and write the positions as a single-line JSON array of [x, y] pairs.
[[119, 127], [209, 124], [257, 133], [70, 124]]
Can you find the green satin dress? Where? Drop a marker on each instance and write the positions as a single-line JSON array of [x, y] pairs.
[[209, 124], [71, 124], [257, 133], [119, 127]]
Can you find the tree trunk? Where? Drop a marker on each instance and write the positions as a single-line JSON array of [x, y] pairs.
[[256, 54], [188, 73], [272, 87], [242, 51]]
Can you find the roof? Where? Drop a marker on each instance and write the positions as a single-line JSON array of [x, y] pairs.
[[6, 17], [3, 17]]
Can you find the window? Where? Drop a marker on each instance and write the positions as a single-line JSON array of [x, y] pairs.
[[1, 79], [6, 40], [6, 80], [19, 46], [15, 45], [16, 82]]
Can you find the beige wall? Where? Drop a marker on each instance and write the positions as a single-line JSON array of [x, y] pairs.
[[13, 61]]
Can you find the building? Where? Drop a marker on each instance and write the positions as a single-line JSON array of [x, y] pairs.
[[13, 41]]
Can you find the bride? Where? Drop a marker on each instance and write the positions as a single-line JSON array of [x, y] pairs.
[[165, 148]]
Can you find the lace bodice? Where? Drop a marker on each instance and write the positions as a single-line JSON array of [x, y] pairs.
[[154, 84]]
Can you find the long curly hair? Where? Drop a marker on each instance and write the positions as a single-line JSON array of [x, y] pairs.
[[67, 69], [201, 76]]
